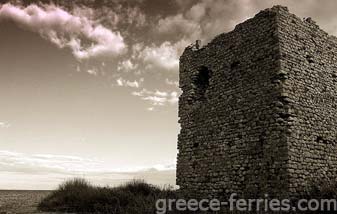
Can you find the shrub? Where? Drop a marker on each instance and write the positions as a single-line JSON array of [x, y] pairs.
[[320, 189], [78, 195]]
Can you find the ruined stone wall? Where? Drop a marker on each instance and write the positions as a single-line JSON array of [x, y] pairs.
[[309, 63], [232, 140], [258, 111]]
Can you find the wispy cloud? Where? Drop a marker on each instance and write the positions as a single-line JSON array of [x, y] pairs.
[[206, 18], [171, 82], [46, 171], [48, 163], [85, 38], [92, 72], [164, 56], [126, 65], [4, 125], [127, 83], [157, 98], [19, 162], [179, 25]]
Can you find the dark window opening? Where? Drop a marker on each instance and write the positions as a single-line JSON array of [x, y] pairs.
[[235, 64], [201, 83], [318, 139], [260, 145], [194, 165], [310, 59], [195, 145], [240, 136], [284, 116]]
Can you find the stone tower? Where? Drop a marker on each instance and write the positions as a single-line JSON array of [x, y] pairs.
[[258, 111]]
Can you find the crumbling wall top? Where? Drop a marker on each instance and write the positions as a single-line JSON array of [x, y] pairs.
[[270, 12]]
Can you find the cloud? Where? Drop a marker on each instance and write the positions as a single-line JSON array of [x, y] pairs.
[[164, 56], [4, 125], [85, 38], [157, 98], [157, 58], [48, 163], [126, 83], [206, 19], [179, 25], [171, 82], [135, 16], [18, 162], [126, 65], [161, 94], [174, 97], [92, 72], [150, 108], [47, 171]]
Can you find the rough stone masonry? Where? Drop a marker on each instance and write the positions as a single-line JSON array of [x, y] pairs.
[[258, 111]]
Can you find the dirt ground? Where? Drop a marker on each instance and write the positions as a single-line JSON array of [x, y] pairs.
[[20, 201]]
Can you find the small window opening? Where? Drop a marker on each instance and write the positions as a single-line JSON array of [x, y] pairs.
[[195, 145], [235, 64], [261, 144], [284, 116], [201, 83], [319, 139], [310, 59], [240, 136], [194, 165]]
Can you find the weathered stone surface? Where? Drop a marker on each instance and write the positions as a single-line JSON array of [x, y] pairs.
[[258, 109]]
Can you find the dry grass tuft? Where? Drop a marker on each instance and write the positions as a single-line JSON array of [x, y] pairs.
[[78, 195]]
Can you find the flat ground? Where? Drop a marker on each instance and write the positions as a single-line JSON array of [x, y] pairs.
[[20, 201]]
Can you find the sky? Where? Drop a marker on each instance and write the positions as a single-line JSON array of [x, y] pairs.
[[90, 88]]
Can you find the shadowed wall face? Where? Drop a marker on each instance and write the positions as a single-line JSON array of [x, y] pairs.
[[309, 67]]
